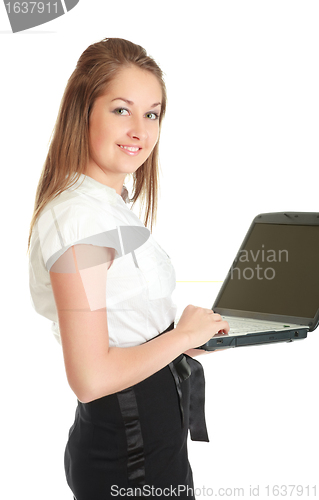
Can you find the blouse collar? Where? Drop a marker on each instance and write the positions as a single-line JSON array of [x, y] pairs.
[[90, 186]]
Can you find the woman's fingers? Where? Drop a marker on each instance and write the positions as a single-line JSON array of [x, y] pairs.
[[224, 330]]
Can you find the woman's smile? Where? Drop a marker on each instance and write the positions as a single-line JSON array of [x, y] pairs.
[[130, 150]]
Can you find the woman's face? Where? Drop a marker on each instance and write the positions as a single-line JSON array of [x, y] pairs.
[[124, 126]]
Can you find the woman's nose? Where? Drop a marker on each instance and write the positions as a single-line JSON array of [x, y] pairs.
[[138, 129]]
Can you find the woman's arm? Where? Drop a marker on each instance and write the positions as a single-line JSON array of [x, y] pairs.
[[93, 368], [196, 352]]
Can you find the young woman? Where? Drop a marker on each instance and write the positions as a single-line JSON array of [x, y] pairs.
[[98, 274]]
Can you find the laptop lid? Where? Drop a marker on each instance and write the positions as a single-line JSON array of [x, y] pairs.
[[275, 275]]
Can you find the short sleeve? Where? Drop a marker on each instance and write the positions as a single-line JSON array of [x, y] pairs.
[[72, 223], [84, 287], [82, 257]]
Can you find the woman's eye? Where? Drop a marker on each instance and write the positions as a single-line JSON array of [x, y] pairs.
[[121, 111], [152, 116]]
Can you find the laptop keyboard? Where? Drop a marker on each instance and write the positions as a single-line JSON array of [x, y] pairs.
[[240, 326]]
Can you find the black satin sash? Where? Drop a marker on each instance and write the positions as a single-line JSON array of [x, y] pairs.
[[197, 423], [135, 448], [181, 368]]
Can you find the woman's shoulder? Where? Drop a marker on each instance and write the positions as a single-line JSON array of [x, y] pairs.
[[70, 207], [70, 219], [71, 203]]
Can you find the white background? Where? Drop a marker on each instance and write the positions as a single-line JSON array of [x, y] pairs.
[[240, 138]]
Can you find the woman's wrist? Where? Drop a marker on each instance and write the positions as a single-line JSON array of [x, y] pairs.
[[182, 337]]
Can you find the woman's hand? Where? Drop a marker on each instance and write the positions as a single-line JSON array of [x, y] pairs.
[[200, 325]]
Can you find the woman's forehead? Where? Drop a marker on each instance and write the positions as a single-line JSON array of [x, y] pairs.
[[135, 82]]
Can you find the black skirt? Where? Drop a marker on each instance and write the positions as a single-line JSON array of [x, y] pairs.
[[134, 442]]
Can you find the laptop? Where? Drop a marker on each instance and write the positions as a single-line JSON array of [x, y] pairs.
[[271, 292]]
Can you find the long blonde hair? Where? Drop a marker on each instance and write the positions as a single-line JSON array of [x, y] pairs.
[[68, 152]]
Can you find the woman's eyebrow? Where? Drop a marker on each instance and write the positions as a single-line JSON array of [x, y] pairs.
[[131, 102]]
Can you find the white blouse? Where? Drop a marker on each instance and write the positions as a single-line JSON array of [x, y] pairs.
[[141, 278]]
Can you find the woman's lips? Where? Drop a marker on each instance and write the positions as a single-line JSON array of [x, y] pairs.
[[130, 150]]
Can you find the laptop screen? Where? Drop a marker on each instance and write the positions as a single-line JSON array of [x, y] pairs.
[[275, 272]]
